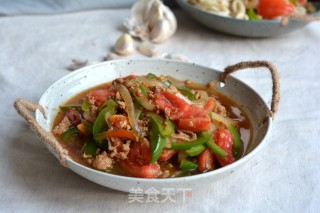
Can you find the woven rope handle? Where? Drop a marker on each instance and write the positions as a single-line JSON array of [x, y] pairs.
[[24, 108], [285, 20], [255, 64]]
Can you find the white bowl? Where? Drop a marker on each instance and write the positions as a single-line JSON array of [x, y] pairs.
[[245, 28], [90, 76]]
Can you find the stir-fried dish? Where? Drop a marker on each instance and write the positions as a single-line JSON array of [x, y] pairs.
[[255, 9], [152, 127]]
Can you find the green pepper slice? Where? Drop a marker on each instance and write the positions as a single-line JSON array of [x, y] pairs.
[[70, 132], [237, 143], [157, 141], [67, 107], [166, 128], [85, 105], [102, 106], [187, 92], [213, 146], [151, 75], [100, 124], [196, 150], [216, 149], [90, 148], [188, 165], [189, 144]]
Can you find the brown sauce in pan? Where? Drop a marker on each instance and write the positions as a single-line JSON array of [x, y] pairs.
[[75, 144]]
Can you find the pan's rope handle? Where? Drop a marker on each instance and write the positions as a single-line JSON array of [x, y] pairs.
[[285, 20], [24, 108], [254, 64]]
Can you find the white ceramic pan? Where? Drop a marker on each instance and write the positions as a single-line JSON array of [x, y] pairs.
[[257, 110]]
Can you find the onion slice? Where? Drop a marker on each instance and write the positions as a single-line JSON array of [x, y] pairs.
[[149, 82], [219, 118], [124, 92]]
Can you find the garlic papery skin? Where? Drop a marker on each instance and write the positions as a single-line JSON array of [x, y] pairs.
[[77, 64], [177, 57], [151, 20], [124, 45]]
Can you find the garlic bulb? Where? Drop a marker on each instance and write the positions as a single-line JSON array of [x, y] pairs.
[[124, 45], [151, 20]]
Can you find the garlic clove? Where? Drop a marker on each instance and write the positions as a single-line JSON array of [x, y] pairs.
[[138, 31], [112, 56], [124, 45], [139, 10], [148, 49], [153, 14], [168, 15], [160, 32]]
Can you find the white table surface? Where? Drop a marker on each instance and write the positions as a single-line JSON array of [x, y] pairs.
[[283, 177]]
